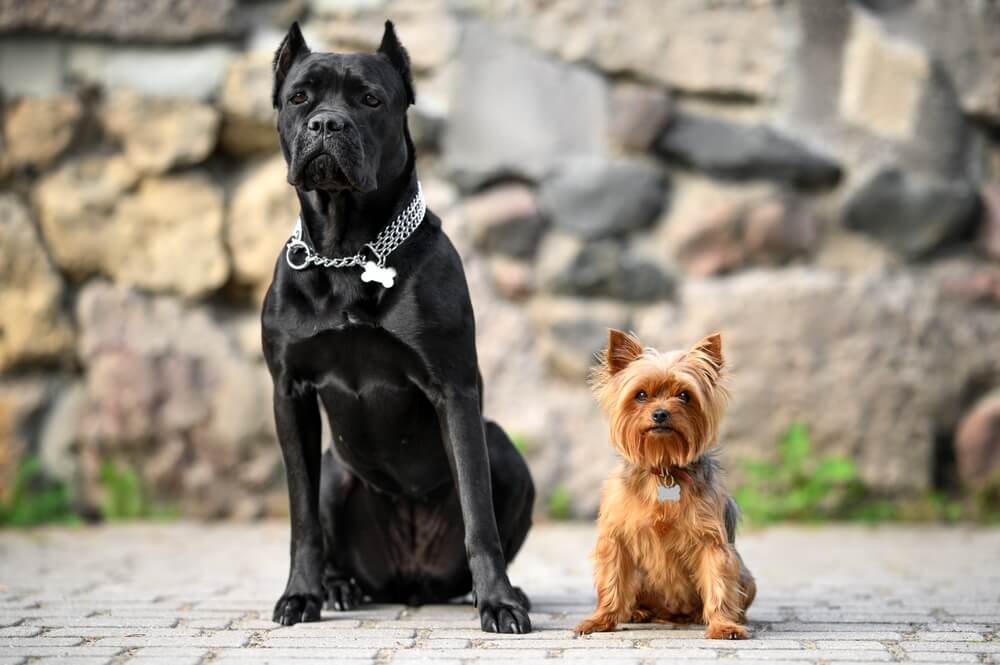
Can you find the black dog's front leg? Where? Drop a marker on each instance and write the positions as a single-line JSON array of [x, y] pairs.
[[299, 434], [501, 609]]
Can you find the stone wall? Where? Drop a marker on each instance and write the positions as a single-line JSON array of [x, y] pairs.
[[818, 180]]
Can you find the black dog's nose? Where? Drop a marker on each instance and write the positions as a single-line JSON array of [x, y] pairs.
[[661, 416], [325, 121]]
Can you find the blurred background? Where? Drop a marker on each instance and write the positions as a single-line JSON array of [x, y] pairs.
[[817, 179]]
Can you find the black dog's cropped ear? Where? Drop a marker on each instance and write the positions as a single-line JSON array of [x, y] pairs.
[[293, 47], [400, 59]]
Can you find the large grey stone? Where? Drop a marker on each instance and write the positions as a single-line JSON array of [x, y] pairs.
[[860, 90], [124, 20], [962, 37], [505, 219], [38, 129], [194, 72], [875, 366], [721, 48], [75, 205], [573, 330], [170, 236], [989, 231], [159, 134], [32, 66], [514, 111], [914, 214], [597, 198], [164, 235], [637, 114], [23, 402], [727, 232], [977, 442], [603, 268], [33, 326], [169, 391], [261, 217], [249, 120], [734, 150]]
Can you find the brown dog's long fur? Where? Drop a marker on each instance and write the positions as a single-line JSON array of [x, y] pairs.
[[669, 562]]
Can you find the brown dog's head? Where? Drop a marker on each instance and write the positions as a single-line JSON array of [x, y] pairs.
[[664, 408]]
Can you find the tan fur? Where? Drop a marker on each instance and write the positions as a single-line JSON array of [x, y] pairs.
[[672, 561]]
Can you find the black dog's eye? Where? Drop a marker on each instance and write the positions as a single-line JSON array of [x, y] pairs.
[[370, 100], [640, 396], [684, 396], [298, 98]]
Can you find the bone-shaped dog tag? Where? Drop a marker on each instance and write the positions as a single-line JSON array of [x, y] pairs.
[[671, 494], [374, 273]]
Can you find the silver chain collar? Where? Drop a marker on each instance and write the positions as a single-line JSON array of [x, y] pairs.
[[391, 237]]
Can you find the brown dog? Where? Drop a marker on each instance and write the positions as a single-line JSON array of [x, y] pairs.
[[666, 531]]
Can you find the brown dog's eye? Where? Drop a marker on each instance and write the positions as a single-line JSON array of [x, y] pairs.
[[640, 396], [684, 396], [370, 100], [298, 98]]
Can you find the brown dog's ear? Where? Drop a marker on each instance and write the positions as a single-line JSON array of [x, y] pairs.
[[623, 348], [293, 47], [711, 348], [393, 49]]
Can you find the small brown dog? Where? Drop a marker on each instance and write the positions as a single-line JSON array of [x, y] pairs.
[[666, 531]]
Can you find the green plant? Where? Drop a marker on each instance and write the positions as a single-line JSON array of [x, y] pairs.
[[34, 499], [798, 486], [560, 502], [520, 443], [123, 495]]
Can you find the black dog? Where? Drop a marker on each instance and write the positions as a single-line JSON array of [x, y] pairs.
[[419, 499]]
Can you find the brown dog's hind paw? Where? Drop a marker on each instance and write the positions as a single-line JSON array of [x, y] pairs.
[[595, 624], [726, 631]]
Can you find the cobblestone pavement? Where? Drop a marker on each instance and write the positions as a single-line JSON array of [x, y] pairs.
[[183, 594]]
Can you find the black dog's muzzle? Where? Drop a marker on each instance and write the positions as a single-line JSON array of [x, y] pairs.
[[327, 154]]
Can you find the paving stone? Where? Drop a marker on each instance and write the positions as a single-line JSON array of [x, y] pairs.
[[871, 597], [170, 652], [78, 651], [19, 631], [226, 639], [285, 654], [826, 655]]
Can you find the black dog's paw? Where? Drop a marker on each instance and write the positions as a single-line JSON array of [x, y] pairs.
[[507, 613], [292, 608], [523, 597], [342, 594]]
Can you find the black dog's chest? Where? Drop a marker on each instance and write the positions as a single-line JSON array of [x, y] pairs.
[[382, 424]]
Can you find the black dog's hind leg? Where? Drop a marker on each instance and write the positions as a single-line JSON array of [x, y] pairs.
[[296, 415], [340, 587], [513, 494]]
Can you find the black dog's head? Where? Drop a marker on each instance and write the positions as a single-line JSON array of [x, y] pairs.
[[342, 116]]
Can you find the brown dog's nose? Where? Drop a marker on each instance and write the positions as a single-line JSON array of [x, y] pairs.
[[325, 121], [660, 416]]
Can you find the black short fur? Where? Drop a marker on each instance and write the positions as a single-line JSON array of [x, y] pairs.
[[419, 499]]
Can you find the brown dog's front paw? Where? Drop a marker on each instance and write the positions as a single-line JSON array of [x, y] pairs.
[[595, 624], [726, 631]]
